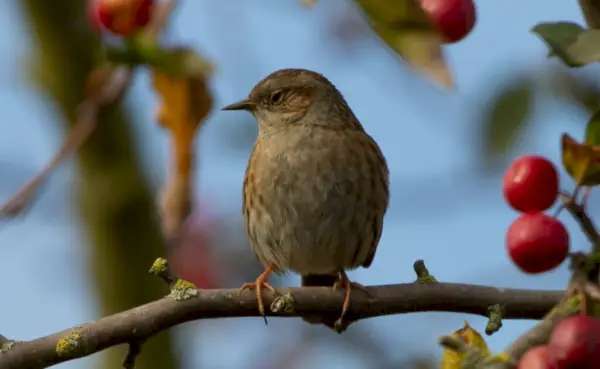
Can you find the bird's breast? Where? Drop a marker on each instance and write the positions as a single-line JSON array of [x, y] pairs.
[[307, 199]]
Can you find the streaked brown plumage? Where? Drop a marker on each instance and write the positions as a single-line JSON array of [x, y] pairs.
[[316, 187]]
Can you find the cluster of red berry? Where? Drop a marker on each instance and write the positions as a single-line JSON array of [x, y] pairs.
[[536, 243], [121, 17], [454, 19]]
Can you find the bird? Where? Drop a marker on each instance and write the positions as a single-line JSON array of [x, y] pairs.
[[316, 187]]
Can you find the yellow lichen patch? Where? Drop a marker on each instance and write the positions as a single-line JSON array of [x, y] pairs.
[[427, 280], [183, 290], [283, 304], [572, 304], [567, 307], [8, 345], [159, 266], [71, 345]]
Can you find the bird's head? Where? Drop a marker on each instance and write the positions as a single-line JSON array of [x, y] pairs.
[[291, 96]]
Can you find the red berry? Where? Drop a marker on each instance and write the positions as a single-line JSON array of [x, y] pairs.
[[575, 343], [537, 242], [121, 17], [454, 19], [536, 358], [530, 184], [192, 258], [96, 15]]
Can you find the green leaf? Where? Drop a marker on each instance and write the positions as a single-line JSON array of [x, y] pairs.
[[405, 28], [557, 35], [592, 130], [138, 49], [573, 44], [586, 49], [506, 117], [181, 61]]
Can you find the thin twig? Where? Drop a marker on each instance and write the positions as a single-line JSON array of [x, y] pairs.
[[586, 223], [134, 350]]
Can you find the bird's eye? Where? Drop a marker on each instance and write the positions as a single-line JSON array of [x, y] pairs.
[[276, 97]]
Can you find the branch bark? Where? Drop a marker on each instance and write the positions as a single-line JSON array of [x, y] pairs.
[[588, 227], [139, 323], [591, 12]]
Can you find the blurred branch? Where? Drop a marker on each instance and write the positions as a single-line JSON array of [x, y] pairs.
[[578, 213], [146, 320], [591, 12], [105, 89], [116, 207], [112, 89]]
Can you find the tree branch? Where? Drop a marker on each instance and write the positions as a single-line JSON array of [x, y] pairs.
[[138, 324], [591, 12], [587, 225]]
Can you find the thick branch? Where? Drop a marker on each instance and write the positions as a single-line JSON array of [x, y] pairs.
[[144, 321]]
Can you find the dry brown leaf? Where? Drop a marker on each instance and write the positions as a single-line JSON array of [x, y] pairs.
[[184, 102]]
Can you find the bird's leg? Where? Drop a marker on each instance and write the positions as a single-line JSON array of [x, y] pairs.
[[257, 285], [344, 282]]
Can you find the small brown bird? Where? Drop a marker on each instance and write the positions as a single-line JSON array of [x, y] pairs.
[[316, 187]]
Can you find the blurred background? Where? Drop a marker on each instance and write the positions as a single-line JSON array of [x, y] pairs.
[[84, 248]]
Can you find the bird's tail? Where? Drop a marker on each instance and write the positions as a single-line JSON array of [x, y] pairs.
[[319, 280]]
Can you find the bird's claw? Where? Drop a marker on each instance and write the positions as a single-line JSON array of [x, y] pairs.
[[258, 286]]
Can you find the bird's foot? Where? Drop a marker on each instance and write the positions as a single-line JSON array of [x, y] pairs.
[[258, 285], [344, 282]]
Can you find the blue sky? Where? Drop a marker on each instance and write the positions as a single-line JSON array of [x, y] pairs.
[[442, 209]]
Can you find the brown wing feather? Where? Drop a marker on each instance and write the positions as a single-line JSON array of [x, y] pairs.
[[381, 187]]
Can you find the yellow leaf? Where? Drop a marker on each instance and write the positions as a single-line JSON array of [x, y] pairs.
[[581, 161], [452, 359], [405, 27]]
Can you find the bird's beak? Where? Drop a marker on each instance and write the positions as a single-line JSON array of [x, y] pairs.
[[240, 105]]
